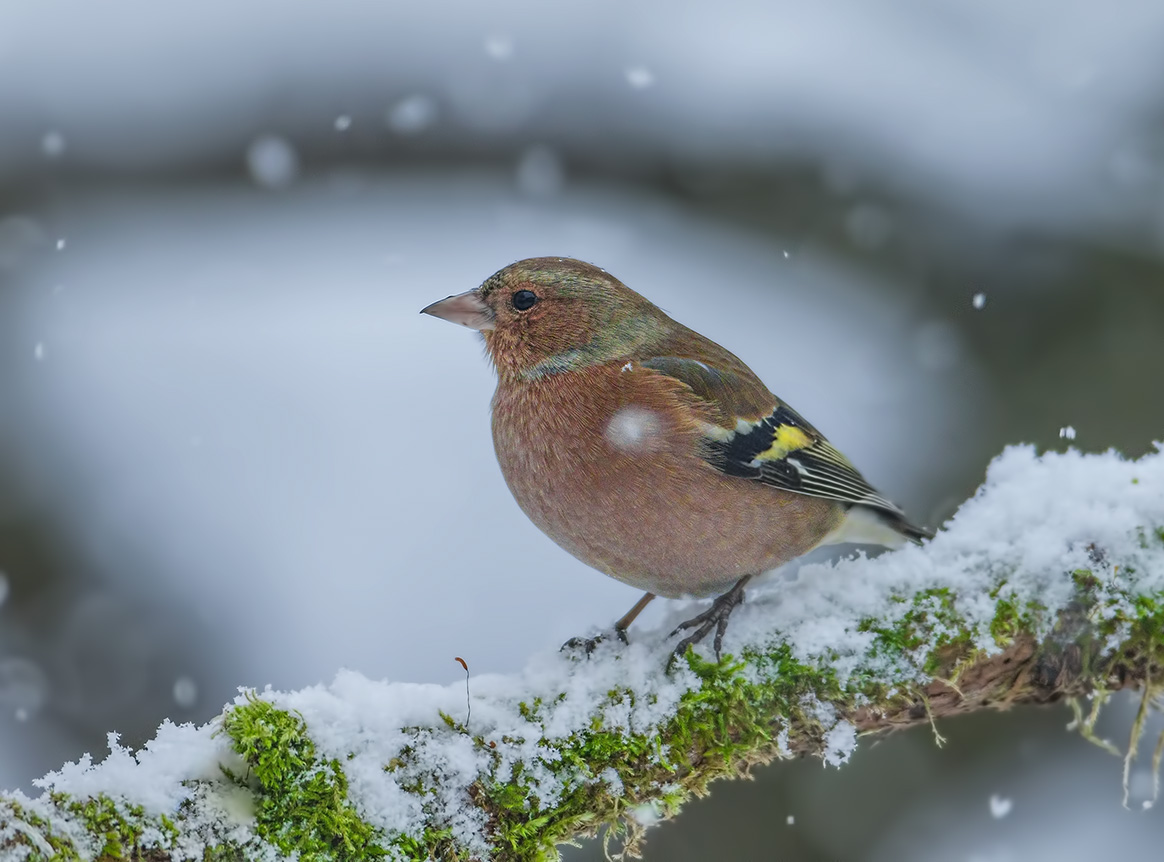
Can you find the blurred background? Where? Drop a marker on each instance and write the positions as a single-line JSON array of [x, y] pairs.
[[232, 453]]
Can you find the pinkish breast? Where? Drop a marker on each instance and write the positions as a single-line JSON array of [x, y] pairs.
[[607, 464]]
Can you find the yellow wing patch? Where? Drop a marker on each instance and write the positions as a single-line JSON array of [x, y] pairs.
[[784, 451], [785, 439]]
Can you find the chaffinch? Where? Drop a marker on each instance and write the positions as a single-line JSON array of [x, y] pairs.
[[650, 452]]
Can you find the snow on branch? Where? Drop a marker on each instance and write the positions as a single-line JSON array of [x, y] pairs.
[[1047, 584]]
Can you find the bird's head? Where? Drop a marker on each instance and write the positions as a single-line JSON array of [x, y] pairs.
[[550, 314]]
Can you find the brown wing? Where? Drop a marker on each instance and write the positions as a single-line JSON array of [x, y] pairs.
[[756, 436]]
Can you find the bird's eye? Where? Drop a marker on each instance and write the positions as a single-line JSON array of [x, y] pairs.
[[524, 300]]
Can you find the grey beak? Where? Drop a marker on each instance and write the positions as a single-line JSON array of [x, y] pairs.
[[465, 308]]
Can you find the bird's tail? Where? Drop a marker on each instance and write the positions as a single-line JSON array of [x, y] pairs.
[[911, 531], [868, 525]]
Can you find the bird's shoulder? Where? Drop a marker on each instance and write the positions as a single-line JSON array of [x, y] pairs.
[[727, 388]]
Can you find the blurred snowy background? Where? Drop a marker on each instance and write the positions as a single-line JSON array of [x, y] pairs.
[[232, 453]]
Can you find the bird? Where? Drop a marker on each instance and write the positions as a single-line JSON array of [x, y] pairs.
[[650, 452]]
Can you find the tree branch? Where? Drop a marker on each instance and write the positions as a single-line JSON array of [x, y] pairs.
[[1047, 585]]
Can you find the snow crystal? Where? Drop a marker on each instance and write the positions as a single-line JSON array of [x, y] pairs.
[[342, 123], [38, 351], [499, 47], [32, 834], [1036, 519], [1067, 433], [1000, 806], [361, 723], [412, 115], [790, 820], [782, 748], [185, 692], [272, 162], [634, 429], [153, 777], [640, 77], [840, 742], [60, 245], [53, 144], [979, 301], [647, 814], [611, 777]]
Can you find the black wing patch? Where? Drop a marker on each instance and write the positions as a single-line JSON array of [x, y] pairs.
[[786, 452]]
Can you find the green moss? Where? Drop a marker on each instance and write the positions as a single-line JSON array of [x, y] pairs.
[[1012, 619], [1147, 630], [62, 849], [432, 844], [1086, 584], [719, 728], [119, 827], [722, 726], [124, 831], [530, 712], [102, 817], [930, 633], [302, 803]]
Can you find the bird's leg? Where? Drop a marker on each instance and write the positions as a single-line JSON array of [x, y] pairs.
[[620, 627], [629, 617], [714, 617]]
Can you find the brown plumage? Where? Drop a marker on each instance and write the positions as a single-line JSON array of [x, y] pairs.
[[648, 451], [640, 503]]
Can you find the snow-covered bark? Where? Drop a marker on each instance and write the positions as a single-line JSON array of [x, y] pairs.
[[1048, 583]]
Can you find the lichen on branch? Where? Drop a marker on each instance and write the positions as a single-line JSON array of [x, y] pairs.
[[1047, 584]]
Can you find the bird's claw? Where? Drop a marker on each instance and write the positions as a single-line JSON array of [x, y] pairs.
[[716, 617], [583, 647]]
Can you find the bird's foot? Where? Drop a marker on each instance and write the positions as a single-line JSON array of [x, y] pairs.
[[583, 647], [716, 617]]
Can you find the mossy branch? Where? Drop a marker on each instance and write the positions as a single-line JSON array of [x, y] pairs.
[[1048, 585]]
